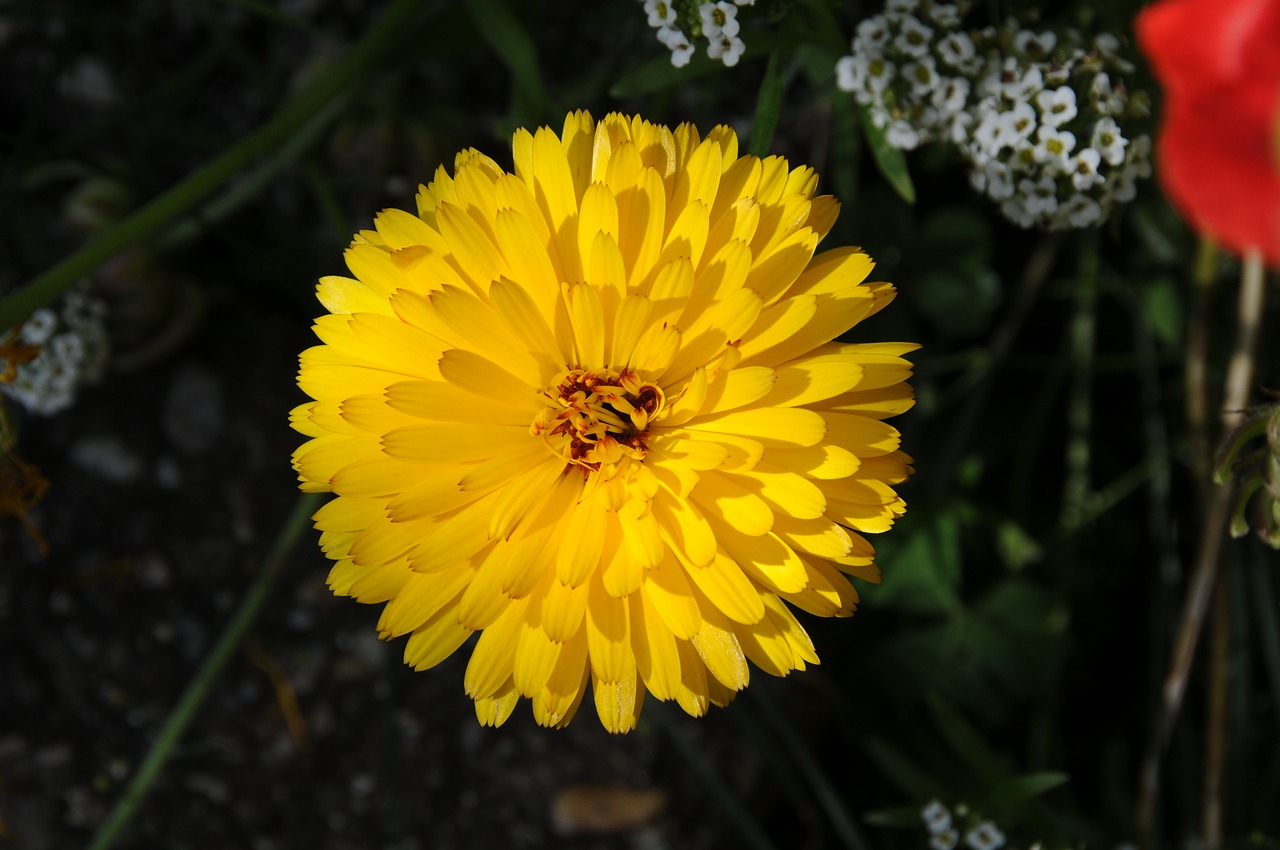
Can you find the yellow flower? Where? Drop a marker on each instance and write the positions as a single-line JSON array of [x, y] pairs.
[[593, 411]]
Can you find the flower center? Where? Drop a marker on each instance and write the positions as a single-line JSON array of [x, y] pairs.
[[598, 417]]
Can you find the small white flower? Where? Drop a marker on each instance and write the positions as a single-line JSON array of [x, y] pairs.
[[951, 96], [1021, 86], [901, 7], [922, 75], [956, 49], [880, 72], [47, 383], [1125, 188], [39, 327], [1016, 211], [727, 48], [1054, 146], [984, 836], [850, 72], [945, 15], [990, 137], [936, 817], [872, 32], [1109, 141], [671, 37], [1039, 196], [1078, 211], [944, 840], [1035, 46], [1108, 47], [1019, 123], [957, 127], [681, 50], [999, 182], [745, 2], [1056, 75], [914, 38], [1057, 106], [1084, 169], [901, 135], [718, 19], [661, 13], [1107, 100], [1138, 160], [1108, 44]]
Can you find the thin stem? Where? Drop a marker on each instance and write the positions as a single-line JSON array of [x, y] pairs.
[[1218, 513], [1215, 744], [1075, 491], [201, 685], [166, 208], [975, 384]]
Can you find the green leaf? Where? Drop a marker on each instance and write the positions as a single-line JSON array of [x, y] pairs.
[[1016, 792], [897, 817], [922, 570], [1163, 304], [512, 44], [891, 161], [1016, 547], [967, 743], [902, 771], [658, 74], [768, 106]]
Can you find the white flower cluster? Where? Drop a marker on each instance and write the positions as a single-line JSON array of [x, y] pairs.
[[717, 23], [72, 347], [944, 834], [1037, 121]]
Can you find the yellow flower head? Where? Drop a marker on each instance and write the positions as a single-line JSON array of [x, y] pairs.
[[593, 410]]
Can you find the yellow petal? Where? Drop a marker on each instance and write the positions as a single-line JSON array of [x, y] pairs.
[[556, 704], [618, 703], [633, 318], [344, 295], [494, 710], [657, 658], [436, 639], [587, 318], [608, 635], [724, 585], [421, 597], [535, 659], [667, 586], [684, 529], [444, 402], [563, 608], [491, 661], [473, 254], [530, 265], [718, 646], [693, 693], [447, 442], [786, 492], [862, 435], [738, 388], [781, 427]]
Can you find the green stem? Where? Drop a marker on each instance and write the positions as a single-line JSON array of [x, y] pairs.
[[1079, 409], [196, 693], [176, 201]]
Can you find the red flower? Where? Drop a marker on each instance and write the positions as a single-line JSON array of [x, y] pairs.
[[1219, 146]]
